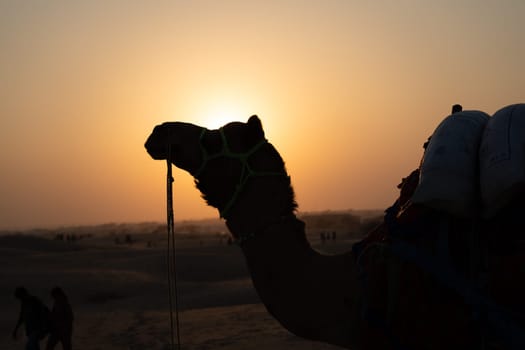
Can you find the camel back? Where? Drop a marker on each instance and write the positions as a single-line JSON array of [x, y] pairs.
[[435, 276]]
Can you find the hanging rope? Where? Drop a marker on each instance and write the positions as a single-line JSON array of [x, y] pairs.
[[172, 281]]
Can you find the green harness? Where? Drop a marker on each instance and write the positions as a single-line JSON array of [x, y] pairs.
[[246, 171]]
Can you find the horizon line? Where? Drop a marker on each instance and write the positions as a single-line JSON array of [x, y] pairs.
[[53, 227]]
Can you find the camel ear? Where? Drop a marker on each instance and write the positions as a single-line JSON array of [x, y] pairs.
[[255, 127]]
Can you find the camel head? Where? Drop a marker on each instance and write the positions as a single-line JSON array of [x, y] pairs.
[[224, 162]]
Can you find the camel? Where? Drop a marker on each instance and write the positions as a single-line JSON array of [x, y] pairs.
[[399, 288]]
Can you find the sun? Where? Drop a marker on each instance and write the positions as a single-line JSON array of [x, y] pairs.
[[216, 107], [219, 113], [218, 117]]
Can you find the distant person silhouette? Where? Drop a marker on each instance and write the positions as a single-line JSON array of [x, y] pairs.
[[34, 315], [61, 327]]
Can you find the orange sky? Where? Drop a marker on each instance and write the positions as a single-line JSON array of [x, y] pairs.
[[348, 91]]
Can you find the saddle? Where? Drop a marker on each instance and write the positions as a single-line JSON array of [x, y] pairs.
[[433, 281]]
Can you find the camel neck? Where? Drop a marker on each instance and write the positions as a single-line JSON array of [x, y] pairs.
[[310, 294], [280, 223]]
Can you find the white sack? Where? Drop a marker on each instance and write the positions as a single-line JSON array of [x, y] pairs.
[[449, 170], [502, 158]]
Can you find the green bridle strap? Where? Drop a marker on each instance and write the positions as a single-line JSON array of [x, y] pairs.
[[246, 173]]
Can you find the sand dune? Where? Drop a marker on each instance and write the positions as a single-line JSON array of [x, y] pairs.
[[119, 293]]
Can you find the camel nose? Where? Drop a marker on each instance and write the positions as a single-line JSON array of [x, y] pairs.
[[156, 145], [175, 140]]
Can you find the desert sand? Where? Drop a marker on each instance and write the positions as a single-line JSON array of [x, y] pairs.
[[119, 292]]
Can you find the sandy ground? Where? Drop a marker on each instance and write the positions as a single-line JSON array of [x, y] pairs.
[[119, 294]]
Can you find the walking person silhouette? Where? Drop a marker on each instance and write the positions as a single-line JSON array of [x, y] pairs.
[[61, 319], [34, 315]]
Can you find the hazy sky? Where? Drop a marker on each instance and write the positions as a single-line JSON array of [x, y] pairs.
[[348, 91]]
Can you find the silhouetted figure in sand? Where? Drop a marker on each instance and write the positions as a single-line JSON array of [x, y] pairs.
[[34, 315], [61, 327]]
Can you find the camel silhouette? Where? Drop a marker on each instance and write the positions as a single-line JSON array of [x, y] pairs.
[[415, 282]]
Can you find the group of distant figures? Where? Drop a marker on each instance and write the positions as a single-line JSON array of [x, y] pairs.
[[70, 237], [40, 321], [127, 240], [326, 236]]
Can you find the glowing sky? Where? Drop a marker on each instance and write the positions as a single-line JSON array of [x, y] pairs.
[[348, 91]]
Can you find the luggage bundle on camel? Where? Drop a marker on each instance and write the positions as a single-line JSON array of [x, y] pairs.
[[455, 230], [474, 165]]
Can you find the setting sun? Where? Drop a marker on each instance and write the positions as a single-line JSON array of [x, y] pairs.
[[220, 111]]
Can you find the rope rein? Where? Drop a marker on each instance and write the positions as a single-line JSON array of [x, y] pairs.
[[172, 282]]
